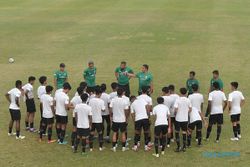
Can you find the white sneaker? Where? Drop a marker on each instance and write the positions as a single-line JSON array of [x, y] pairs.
[[135, 148], [113, 149], [146, 148], [217, 141], [239, 136], [11, 134], [139, 144], [168, 145], [124, 149], [101, 148], [162, 153], [91, 150], [20, 137], [172, 140], [106, 138], [196, 140], [234, 139], [156, 155]]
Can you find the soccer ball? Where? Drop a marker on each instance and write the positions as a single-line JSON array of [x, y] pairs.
[[11, 60]]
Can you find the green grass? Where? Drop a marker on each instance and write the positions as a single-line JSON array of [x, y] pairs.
[[172, 36]]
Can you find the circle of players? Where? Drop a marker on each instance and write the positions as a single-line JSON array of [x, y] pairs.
[[93, 109]]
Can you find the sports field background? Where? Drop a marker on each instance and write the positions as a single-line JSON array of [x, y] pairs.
[[172, 36]]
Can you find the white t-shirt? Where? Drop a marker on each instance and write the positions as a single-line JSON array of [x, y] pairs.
[[173, 98], [119, 105], [112, 95], [161, 112], [83, 112], [194, 115], [75, 100], [14, 94], [235, 98], [167, 101], [182, 104], [217, 99], [47, 102], [98, 107], [139, 108], [28, 88], [106, 98], [41, 91], [127, 100], [61, 99], [196, 100], [147, 98]]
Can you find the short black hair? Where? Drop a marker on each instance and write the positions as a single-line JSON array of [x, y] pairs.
[[66, 85], [18, 83], [124, 62], [132, 97], [144, 89], [98, 90], [165, 89], [160, 100], [216, 85], [171, 87], [62, 65], [42, 79], [195, 87], [114, 85], [84, 97], [192, 72], [183, 91], [83, 84], [31, 78], [235, 84], [103, 87], [120, 91], [216, 72], [49, 89], [80, 90], [146, 66]]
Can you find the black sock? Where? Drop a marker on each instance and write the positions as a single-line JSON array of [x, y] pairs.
[[108, 128], [73, 138], [123, 144], [58, 132], [149, 138], [27, 124], [41, 132], [218, 132], [156, 145], [199, 137], [40, 127], [136, 139], [49, 133], [113, 144], [83, 145], [172, 135], [10, 130], [100, 137], [209, 129], [177, 136], [91, 138], [62, 135], [184, 136], [235, 131], [76, 143], [238, 129], [168, 140], [189, 137], [32, 125], [146, 138], [163, 143], [18, 133]]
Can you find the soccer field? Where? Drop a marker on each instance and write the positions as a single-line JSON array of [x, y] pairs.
[[172, 36]]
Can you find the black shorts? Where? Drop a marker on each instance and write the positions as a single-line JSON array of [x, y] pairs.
[[143, 123], [106, 118], [61, 119], [83, 132], [197, 124], [30, 105], [216, 119], [122, 127], [97, 126], [74, 121], [180, 126], [48, 121], [161, 129], [15, 115], [126, 89], [235, 118]]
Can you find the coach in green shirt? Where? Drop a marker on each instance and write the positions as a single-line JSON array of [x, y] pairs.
[[121, 74], [190, 82], [145, 79], [60, 77], [89, 75], [216, 78]]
